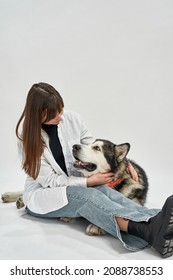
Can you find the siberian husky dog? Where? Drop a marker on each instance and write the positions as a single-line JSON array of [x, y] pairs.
[[103, 156]]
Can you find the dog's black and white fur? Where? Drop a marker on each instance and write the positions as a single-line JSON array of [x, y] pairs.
[[103, 156]]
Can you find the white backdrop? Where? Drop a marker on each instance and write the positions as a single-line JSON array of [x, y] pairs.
[[112, 62]]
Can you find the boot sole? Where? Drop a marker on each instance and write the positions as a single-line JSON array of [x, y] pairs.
[[164, 245]]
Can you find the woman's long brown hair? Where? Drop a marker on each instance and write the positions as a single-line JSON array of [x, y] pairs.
[[43, 102]]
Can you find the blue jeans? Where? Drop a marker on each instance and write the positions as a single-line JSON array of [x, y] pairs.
[[100, 205]]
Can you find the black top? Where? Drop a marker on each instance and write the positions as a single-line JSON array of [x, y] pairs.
[[55, 145]]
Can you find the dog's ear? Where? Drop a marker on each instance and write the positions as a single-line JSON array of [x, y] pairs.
[[121, 151]]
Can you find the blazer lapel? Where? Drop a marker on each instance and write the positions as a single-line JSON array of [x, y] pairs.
[[49, 156]]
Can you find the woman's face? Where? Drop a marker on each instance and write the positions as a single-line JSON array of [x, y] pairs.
[[57, 118]]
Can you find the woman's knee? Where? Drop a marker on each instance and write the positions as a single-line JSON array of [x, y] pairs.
[[83, 192], [106, 190], [109, 191]]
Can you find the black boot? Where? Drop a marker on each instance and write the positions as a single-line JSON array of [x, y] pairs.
[[158, 231]]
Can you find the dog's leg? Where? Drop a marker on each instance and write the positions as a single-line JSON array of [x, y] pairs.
[[94, 230], [69, 220], [10, 196], [19, 202], [90, 230], [129, 189], [133, 191]]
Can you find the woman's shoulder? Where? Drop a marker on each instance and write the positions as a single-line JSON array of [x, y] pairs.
[[72, 119], [71, 115]]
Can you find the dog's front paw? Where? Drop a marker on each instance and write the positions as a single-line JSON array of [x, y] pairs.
[[8, 197], [94, 230], [19, 202], [69, 220], [5, 197]]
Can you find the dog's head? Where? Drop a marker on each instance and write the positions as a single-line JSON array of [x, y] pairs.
[[100, 156]]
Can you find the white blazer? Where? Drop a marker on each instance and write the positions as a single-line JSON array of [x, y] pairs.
[[48, 192]]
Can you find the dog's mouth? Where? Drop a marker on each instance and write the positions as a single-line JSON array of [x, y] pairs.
[[85, 165]]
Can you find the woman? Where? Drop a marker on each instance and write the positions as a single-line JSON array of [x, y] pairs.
[[55, 189]]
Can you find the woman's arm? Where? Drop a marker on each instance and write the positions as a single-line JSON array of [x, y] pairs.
[[51, 175], [48, 177]]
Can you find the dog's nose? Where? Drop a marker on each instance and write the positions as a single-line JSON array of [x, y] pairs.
[[76, 147]]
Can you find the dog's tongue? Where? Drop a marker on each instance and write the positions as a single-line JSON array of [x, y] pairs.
[[84, 165], [77, 163], [80, 164]]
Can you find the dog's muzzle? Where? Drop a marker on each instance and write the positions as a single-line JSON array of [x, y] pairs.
[[79, 164]]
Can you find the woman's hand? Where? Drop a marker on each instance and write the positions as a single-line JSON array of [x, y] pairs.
[[133, 172], [100, 179]]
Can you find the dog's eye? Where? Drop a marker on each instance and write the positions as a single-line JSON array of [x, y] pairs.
[[97, 148]]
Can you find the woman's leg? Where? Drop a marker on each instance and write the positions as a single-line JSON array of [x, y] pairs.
[[97, 208], [122, 223], [158, 232], [128, 208]]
